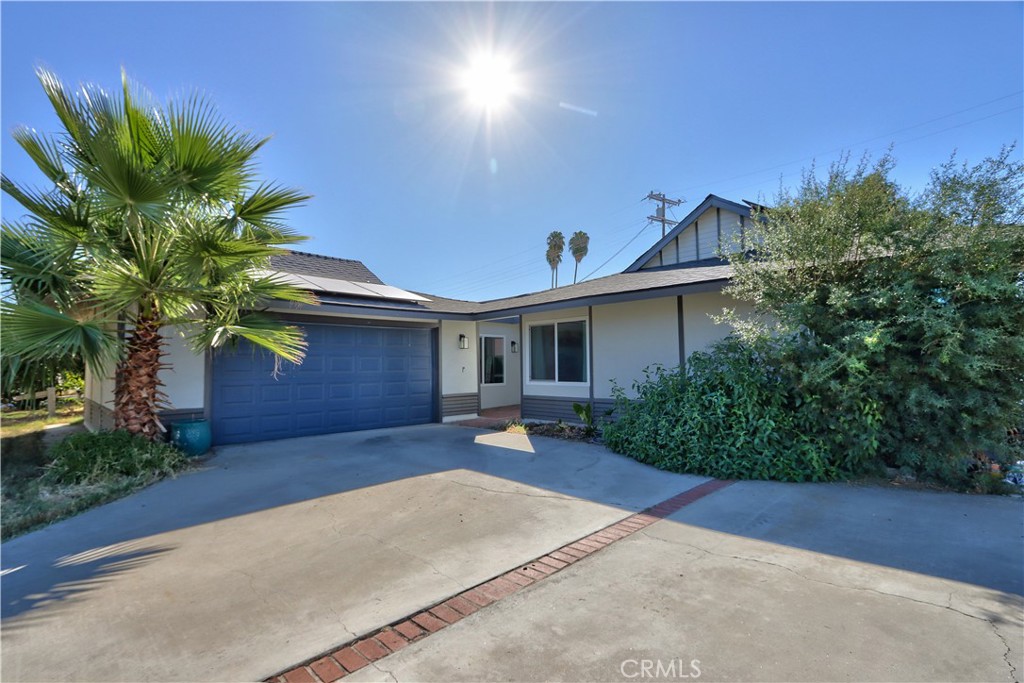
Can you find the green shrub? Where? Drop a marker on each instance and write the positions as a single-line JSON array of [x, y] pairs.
[[908, 305], [89, 458], [585, 412], [738, 414], [69, 380]]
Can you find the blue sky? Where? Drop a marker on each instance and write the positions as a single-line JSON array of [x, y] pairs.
[[364, 105]]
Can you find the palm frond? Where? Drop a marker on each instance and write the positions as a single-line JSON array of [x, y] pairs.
[[263, 209], [37, 332], [69, 109], [280, 338], [207, 156], [38, 264], [43, 151]]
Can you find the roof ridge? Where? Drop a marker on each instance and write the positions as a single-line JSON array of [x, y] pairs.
[[323, 256]]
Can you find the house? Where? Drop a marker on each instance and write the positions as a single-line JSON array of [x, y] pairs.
[[380, 356]]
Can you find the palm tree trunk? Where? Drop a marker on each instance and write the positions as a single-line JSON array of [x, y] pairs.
[[137, 394], [575, 270]]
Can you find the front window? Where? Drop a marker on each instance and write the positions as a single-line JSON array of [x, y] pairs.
[[558, 352], [492, 360]]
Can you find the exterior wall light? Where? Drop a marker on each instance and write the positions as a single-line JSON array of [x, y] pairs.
[[515, 347], [463, 342]]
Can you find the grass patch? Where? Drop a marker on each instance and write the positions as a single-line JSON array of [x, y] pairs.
[[43, 485], [22, 422]]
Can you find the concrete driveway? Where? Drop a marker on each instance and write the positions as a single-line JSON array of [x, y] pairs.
[[278, 552]]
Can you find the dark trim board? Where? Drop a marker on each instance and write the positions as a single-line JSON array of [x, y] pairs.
[[603, 408], [98, 416], [460, 404], [303, 318], [169, 417], [550, 408], [555, 408], [680, 317]]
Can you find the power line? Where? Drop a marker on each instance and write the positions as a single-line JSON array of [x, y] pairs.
[[621, 249], [872, 139], [901, 142]]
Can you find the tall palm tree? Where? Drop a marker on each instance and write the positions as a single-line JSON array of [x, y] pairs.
[[556, 245], [154, 220], [579, 245]]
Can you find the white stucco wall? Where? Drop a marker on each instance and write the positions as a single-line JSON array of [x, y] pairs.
[[184, 379], [507, 394], [458, 366], [629, 337], [699, 330], [535, 388]]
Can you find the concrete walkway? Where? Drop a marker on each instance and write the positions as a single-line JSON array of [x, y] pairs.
[[281, 550], [685, 600]]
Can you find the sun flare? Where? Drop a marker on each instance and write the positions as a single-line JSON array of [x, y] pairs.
[[489, 81]]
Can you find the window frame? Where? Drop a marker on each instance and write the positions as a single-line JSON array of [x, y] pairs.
[[528, 360], [504, 355]]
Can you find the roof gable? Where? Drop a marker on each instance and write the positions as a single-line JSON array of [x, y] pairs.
[[710, 202]]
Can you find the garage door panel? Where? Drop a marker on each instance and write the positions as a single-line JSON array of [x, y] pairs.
[[341, 392], [352, 378], [275, 394], [344, 364], [310, 392]]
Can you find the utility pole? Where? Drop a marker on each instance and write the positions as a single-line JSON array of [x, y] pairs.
[[659, 214]]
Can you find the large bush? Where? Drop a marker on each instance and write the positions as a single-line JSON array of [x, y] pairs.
[[738, 414], [909, 304]]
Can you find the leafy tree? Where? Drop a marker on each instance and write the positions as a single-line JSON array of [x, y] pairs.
[[154, 219], [579, 245], [556, 246], [911, 305]]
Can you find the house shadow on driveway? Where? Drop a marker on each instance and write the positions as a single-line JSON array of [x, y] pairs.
[[272, 552]]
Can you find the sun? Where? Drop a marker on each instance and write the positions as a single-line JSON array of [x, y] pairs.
[[489, 81]]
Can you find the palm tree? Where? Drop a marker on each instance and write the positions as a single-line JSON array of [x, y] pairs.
[[154, 220], [556, 245], [579, 245]]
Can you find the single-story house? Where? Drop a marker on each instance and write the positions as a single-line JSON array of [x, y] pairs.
[[379, 356]]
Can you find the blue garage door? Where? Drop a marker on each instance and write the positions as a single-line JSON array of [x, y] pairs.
[[352, 378]]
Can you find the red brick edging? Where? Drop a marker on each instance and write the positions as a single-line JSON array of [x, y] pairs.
[[356, 654]]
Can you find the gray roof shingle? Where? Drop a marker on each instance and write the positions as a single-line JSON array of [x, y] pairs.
[[304, 263], [711, 270]]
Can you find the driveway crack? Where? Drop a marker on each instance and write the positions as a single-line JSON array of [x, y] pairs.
[[416, 557], [509, 493], [381, 669], [1007, 653], [283, 603]]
